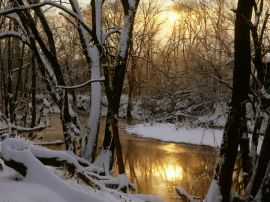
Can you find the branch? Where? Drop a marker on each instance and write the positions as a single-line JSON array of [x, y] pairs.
[[81, 85], [44, 3], [14, 34], [56, 142], [24, 129], [264, 27], [184, 195], [222, 81], [110, 32], [15, 17], [17, 69]]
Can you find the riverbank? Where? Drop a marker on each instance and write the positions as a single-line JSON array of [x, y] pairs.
[[168, 132]]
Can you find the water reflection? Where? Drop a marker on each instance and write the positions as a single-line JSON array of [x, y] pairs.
[[157, 167], [173, 172]]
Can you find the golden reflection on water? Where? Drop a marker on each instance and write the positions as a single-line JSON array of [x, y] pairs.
[[158, 167], [174, 172]]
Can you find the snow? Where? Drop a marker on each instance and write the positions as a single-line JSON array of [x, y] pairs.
[[103, 161], [132, 3], [43, 183], [51, 142], [125, 35], [121, 181], [127, 29], [94, 56], [265, 93], [15, 34], [218, 117], [98, 8], [82, 84], [20, 192], [19, 151], [183, 192], [213, 193], [93, 122], [170, 133], [147, 197]]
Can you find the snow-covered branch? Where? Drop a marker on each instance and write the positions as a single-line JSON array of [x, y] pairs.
[[81, 85], [187, 197], [14, 34], [25, 129], [110, 32], [130, 8], [15, 17]]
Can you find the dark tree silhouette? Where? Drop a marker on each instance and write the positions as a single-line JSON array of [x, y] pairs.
[[236, 120]]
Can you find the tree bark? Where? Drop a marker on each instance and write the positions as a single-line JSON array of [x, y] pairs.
[[241, 76], [262, 163]]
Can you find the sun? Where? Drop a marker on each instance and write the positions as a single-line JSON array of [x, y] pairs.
[[173, 172], [172, 17], [168, 19]]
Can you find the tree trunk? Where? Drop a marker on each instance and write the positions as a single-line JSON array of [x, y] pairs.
[[255, 137], [233, 130], [131, 81], [9, 89], [117, 144], [266, 186], [245, 154], [33, 92], [262, 164], [92, 55]]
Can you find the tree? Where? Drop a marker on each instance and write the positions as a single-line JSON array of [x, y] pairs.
[[41, 40], [235, 126], [114, 90]]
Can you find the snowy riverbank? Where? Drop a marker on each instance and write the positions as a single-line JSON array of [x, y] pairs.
[[168, 132]]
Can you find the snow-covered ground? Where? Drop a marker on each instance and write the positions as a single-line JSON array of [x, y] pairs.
[[45, 183], [168, 132]]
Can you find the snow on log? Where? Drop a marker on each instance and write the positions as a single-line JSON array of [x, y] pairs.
[[72, 163], [187, 197], [21, 156], [120, 182], [29, 160]]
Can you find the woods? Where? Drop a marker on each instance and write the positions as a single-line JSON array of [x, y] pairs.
[[132, 59]]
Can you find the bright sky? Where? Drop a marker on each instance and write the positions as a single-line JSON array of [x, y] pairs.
[[168, 16]]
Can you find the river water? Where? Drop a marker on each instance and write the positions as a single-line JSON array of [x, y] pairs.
[[158, 167]]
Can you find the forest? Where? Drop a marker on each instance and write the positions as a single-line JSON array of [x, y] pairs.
[[134, 100]]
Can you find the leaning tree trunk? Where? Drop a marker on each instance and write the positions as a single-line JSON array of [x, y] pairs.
[[233, 130]]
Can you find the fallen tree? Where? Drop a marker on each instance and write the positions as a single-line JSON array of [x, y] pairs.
[[29, 160]]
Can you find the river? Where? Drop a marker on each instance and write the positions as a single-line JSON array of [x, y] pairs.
[[158, 167]]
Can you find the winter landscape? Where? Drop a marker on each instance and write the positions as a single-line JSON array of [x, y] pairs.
[[134, 100]]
